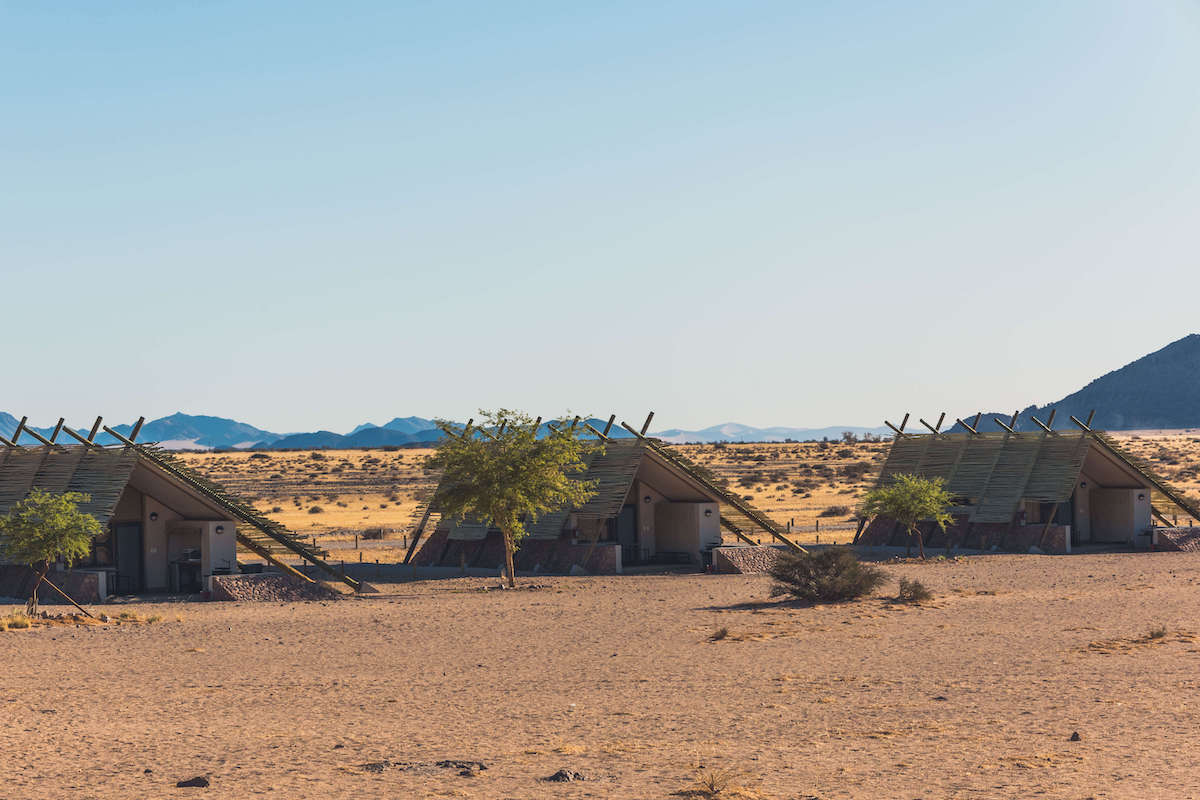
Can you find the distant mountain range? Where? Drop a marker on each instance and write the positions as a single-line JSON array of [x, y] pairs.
[[1160, 390], [1157, 391]]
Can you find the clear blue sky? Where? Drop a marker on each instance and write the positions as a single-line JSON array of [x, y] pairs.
[[310, 215]]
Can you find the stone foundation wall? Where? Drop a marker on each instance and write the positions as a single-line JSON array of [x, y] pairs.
[[977, 536], [266, 586], [541, 555], [745, 560], [1185, 540], [17, 581]]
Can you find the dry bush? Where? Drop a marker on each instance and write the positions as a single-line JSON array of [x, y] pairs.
[[913, 592], [835, 511], [827, 576]]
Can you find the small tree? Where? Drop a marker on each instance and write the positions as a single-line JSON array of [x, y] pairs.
[[909, 499], [504, 474], [43, 528]]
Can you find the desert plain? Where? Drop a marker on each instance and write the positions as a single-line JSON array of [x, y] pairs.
[[647, 686]]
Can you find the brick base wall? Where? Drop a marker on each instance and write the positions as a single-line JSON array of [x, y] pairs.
[[745, 560], [557, 555], [18, 581], [977, 536]]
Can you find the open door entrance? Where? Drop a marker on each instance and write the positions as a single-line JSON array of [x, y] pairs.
[[626, 534], [127, 536]]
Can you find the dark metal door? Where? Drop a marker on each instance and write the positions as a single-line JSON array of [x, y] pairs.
[[627, 534], [128, 539]]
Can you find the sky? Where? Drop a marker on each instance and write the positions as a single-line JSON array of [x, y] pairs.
[[310, 215]]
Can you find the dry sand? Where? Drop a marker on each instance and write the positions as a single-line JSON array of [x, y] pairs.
[[974, 696]]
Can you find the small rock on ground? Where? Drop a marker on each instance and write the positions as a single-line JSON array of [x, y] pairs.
[[198, 782], [565, 776]]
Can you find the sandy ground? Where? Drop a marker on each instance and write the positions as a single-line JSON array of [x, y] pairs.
[[974, 696]]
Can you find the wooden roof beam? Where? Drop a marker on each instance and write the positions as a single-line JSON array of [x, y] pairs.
[[16, 437], [1085, 426], [973, 429], [10, 443], [1003, 425], [646, 424], [57, 429], [595, 432], [95, 429], [608, 427], [83, 440], [1040, 424], [934, 429], [137, 428], [37, 436]]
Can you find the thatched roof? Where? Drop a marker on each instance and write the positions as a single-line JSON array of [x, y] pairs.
[[994, 472], [614, 469]]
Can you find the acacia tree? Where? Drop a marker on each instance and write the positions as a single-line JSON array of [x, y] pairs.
[[502, 473], [43, 528], [910, 499]]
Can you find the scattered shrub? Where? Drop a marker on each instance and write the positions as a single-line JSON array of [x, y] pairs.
[[913, 592], [276, 509], [719, 635], [315, 510], [15, 622], [830, 576], [1157, 633], [835, 511]]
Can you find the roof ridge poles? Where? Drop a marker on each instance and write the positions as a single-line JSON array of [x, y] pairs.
[[974, 428], [1086, 426], [935, 429], [608, 427], [57, 430], [79, 437], [95, 429], [1011, 427], [23, 428], [137, 428], [646, 424], [1043, 425], [899, 431]]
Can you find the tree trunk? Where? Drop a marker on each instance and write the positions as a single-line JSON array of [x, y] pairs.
[[921, 544], [908, 543], [31, 608], [508, 560]]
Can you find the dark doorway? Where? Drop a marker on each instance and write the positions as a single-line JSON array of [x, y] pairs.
[[626, 534], [127, 536]]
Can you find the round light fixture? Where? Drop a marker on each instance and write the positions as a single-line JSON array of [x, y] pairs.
[[646, 499], [154, 516], [708, 512], [220, 529]]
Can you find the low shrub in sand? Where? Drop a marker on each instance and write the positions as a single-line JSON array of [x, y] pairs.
[[14, 622], [913, 592], [827, 576]]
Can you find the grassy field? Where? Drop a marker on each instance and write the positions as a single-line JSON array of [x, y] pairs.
[[334, 495]]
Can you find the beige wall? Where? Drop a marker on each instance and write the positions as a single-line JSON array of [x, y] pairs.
[[1118, 515], [683, 527], [155, 542]]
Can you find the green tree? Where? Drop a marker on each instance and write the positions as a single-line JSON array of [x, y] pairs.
[[43, 528], [910, 499], [503, 474]]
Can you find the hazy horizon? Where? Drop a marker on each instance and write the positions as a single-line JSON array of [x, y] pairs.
[[775, 214]]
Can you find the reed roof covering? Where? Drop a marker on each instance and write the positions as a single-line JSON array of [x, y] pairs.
[[994, 472]]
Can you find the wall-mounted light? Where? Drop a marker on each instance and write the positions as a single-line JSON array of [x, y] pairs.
[[708, 512], [646, 499], [1083, 484], [1141, 497], [220, 529], [154, 516]]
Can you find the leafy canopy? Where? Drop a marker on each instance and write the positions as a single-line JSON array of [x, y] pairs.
[[908, 499], [506, 474], [47, 526]]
